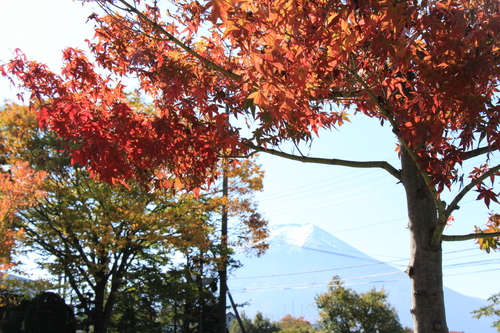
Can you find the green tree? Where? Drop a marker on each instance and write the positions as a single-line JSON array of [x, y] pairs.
[[342, 310], [260, 324], [152, 299], [491, 310], [264, 325], [245, 320], [92, 233], [99, 236], [144, 295]]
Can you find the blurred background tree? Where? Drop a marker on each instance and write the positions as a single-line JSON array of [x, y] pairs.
[[342, 310]]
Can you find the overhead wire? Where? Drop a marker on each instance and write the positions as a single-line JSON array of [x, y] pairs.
[[297, 193], [319, 282], [325, 283]]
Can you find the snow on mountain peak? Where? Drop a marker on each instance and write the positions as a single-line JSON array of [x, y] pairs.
[[307, 236], [292, 234]]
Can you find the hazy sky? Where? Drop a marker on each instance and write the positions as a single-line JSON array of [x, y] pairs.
[[365, 208]]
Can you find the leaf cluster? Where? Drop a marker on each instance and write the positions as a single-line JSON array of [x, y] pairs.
[[490, 310], [428, 69]]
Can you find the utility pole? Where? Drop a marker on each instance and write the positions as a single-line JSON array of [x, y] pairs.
[[242, 327], [223, 264], [224, 250]]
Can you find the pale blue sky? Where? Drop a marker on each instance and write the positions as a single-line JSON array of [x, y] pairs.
[[365, 208]]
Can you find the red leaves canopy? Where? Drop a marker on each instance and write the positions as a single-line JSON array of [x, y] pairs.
[[429, 68]]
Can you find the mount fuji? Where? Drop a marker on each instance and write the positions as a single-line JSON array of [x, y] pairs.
[[300, 263]]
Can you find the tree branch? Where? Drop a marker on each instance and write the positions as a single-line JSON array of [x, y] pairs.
[[454, 238], [454, 204], [334, 95], [338, 95], [318, 160], [177, 42], [438, 232], [386, 112], [478, 151]]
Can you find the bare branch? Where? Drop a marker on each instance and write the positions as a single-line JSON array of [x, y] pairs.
[[480, 235], [318, 160]]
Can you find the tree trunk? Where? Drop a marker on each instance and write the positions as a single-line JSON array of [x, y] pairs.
[[425, 268], [98, 315], [101, 318]]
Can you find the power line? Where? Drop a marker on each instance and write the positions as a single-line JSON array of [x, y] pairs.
[[291, 286], [321, 284], [376, 262]]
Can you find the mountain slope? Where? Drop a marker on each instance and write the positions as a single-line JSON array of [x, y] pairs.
[[302, 259]]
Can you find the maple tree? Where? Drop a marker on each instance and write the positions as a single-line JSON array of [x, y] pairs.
[[98, 236], [428, 69], [290, 324], [19, 189]]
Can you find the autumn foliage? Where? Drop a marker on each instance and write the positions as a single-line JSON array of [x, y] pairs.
[[104, 237], [426, 67], [19, 189], [429, 70]]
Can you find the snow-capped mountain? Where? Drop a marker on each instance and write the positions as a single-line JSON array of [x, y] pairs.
[[302, 259]]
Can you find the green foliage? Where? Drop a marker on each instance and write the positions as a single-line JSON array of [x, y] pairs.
[[491, 310], [264, 325], [113, 239], [153, 298], [342, 310], [260, 324], [136, 314], [13, 289]]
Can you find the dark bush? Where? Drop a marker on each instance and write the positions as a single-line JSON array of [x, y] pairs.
[[47, 313]]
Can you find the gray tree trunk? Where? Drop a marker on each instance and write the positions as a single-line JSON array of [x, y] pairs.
[[425, 268]]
